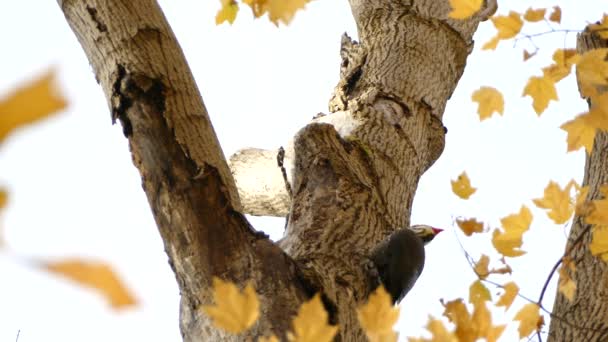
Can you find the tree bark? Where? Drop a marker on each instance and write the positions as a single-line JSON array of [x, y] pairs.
[[353, 173], [586, 317]]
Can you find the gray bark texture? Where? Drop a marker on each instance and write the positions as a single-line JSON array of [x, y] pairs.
[[352, 173], [585, 318]]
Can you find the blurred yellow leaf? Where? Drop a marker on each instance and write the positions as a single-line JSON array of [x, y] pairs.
[[599, 213], [30, 103], [272, 338], [592, 71], [508, 26], [599, 243], [284, 10], [471, 327], [581, 133], [96, 275], [491, 44], [529, 319], [462, 9], [462, 186], [519, 222], [555, 72], [3, 198], [440, 333], [541, 90], [507, 298], [598, 113], [234, 311], [508, 242], [482, 323], [258, 7], [470, 226], [556, 15], [566, 57], [481, 267], [602, 27], [456, 311], [534, 15], [228, 12], [490, 100], [558, 202], [478, 292], [310, 325], [378, 316]]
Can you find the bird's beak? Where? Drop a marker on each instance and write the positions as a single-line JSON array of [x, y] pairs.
[[436, 230]]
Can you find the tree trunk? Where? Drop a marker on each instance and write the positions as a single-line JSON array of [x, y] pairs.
[[586, 317], [353, 172]]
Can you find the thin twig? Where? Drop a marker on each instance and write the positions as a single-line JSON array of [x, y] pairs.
[[578, 239], [471, 262]]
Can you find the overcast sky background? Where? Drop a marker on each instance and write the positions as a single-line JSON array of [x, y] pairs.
[[74, 191]]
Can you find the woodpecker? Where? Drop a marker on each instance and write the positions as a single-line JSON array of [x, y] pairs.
[[399, 259]]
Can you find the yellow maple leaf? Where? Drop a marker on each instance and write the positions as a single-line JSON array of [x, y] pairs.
[[482, 323], [592, 71], [599, 213], [471, 327], [258, 7], [310, 325], [462, 186], [271, 338], [599, 243], [541, 90], [481, 267], [470, 226], [556, 15], [508, 26], [555, 72], [490, 100], [566, 57], [581, 133], [456, 311], [602, 27], [508, 242], [491, 44], [478, 292], [529, 319], [96, 275], [234, 311], [32, 102], [534, 15], [519, 222], [507, 298], [227, 12], [557, 201], [463, 9], [378, 316], [439, 331], [598, 113], [284, 10]]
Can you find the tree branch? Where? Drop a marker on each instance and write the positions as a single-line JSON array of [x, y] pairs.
[[191, 192]]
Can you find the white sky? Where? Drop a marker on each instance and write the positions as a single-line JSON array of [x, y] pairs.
[[74, 191]]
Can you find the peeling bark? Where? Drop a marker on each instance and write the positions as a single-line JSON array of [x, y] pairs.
[[586, 317], [352, 174]]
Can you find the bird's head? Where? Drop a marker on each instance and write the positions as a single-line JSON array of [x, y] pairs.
[[425, 233]]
